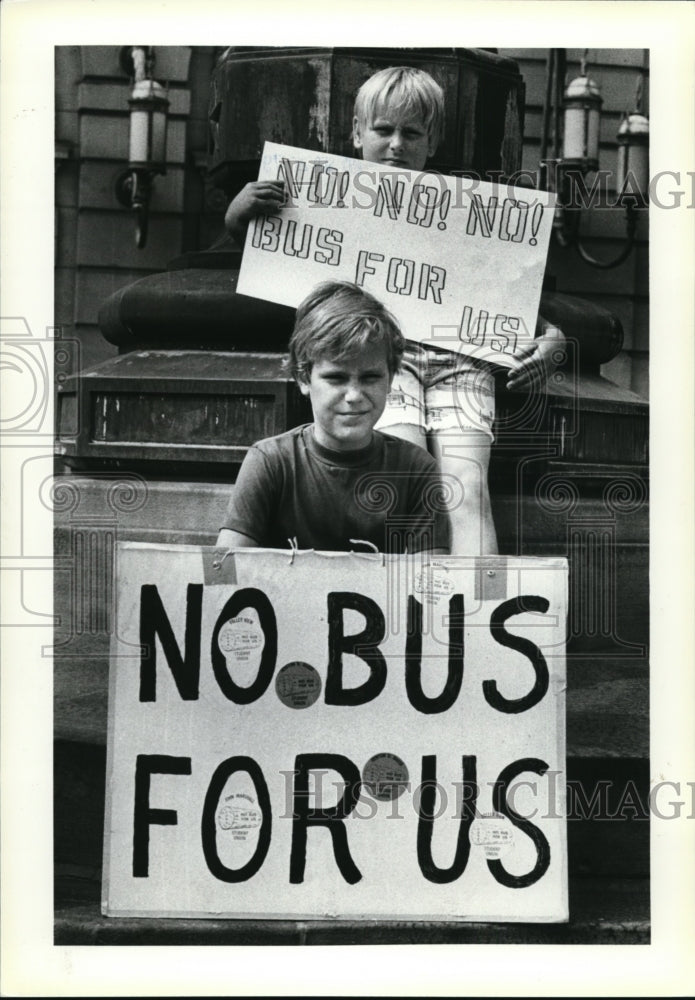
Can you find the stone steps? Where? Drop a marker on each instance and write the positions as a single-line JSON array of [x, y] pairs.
[[602, 911]]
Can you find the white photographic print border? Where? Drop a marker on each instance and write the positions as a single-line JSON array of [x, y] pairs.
[[31, 964]]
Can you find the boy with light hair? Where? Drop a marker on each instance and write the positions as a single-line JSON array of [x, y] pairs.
[[440, 400]]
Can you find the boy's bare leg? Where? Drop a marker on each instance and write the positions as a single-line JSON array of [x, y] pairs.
[[467, 458], [408, 432]]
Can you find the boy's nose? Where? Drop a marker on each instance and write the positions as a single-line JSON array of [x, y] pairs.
[[396, 140], [353, 392]]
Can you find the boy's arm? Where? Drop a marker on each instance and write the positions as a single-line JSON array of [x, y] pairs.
[[229, 539], [251, 507], [256, 198], [430, 523], [536, 363]]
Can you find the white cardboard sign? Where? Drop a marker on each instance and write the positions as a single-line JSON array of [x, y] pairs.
[[458, 261], [336, 735]]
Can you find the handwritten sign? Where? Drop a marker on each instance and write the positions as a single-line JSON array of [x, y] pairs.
[[458, 261], [336, 736]]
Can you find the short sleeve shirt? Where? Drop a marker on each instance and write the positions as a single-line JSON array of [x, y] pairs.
[[292, 491]]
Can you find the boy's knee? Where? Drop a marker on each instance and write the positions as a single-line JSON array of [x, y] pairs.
[[470, 472], [473, 499]]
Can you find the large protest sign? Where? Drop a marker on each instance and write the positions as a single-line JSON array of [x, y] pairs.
[[459, 262], [336, 735]]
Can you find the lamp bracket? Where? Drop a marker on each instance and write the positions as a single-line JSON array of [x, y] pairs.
[[133, 188]]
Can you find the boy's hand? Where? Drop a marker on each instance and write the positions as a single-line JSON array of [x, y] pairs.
[[536, 362], [255, 198]]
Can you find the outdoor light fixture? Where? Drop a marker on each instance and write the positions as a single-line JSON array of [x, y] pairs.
[[148, 137], [633, 157], [581, 113]]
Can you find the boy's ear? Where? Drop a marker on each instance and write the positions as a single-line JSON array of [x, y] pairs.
[[356, 133], [431, 147], [303, 387]]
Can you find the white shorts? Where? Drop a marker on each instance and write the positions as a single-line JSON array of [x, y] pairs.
[[441, 391]]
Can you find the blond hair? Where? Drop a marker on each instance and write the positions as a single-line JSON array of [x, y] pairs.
[[407, 90]]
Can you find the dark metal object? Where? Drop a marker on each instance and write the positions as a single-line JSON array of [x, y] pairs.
[[162, 407], [133, 190], [305, 96], [194, 308]]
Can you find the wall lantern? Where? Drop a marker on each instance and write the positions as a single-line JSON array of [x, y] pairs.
[[582, 115], [148, 105], [633, 159], [580, 104]]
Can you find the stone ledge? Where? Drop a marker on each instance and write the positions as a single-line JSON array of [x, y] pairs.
[[602, 911]]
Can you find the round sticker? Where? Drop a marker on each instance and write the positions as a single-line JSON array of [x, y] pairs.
[[239, 815], [494, 833], [298, 684], [241, 637], [385, 776]]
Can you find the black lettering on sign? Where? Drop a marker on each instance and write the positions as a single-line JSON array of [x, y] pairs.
[[413, 658], [208, 829], [425, 825], [292, 173], [290, 247], [481, 217], [365, 259], [505, 330], [514, 217], [329, 240], [303, 817], [154, 622], [266, 232], [470, 332], [423, 201], [364, 644], [499, 801], [389, 195], [247, 597], [143, 817], [432, 280], [321, 185], [325, 182], [498, 618], [400, 276]]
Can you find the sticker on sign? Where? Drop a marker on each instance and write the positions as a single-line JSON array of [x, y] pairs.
[[370, 755]]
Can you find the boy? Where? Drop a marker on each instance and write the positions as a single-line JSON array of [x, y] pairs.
[[440, 397], [333, 485]]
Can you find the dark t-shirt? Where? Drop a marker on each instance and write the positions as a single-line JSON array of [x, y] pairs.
[[291, 487]]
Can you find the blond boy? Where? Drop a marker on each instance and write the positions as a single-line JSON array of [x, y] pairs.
[[440, 400]]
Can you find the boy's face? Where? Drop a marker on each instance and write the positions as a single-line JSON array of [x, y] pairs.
[[393, 139], [347, 397]]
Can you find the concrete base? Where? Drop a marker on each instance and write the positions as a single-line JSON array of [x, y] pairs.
[[602, 911]]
